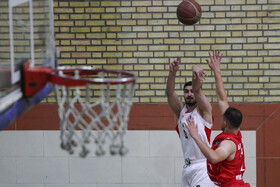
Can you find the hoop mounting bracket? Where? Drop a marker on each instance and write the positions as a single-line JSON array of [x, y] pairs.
[[34, 79]]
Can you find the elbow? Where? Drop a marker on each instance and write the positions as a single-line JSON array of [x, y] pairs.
[[213, 160]]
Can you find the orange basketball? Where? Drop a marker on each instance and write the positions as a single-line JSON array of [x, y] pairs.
[[189, 12]]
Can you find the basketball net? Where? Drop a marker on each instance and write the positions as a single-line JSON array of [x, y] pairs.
[[96, 111]]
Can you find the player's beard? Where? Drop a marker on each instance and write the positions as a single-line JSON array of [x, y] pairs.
[[190, 101]]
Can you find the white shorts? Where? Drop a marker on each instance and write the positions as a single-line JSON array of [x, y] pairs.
[[195, 175]]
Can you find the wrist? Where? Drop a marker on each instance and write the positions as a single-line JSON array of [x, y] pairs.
[[217, 71], [172, 73], [196, 138]]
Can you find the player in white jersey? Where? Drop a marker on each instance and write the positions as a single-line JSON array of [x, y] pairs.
[[196, 104]]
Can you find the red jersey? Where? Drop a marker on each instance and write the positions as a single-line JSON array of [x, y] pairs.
[[228, 172]]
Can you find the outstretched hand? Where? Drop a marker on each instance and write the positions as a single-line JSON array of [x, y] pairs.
[[192, 127], [215, 61], [174, 66], [199, 73]]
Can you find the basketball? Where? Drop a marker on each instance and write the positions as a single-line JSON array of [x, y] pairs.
[[189, 12]]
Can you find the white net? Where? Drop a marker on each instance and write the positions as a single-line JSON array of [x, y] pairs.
[[97, 112]]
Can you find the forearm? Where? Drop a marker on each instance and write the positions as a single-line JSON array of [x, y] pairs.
[[170, 85], [214, 64], [206, 150], [204, 106], [220, 90], [173, 100], [195, 84]]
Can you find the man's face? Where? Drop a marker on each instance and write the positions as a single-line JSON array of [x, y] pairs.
[[189, 96]]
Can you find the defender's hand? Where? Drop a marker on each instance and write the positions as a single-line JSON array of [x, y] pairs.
[[215, 61], [192, 127]]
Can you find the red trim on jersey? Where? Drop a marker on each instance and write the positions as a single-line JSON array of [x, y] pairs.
[[208, 133]]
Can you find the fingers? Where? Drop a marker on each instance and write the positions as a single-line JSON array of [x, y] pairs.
[[209, 52], [190, 121], [175, 62], [174, 66], [204, 75], [194, 76], [214, 54], [191, 126], [218, 55], [187, 124], [215, 57], [200, 75]]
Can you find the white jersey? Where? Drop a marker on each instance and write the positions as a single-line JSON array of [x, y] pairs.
[[190, 149]]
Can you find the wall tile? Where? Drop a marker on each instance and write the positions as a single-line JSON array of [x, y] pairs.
[[251, 170], [52, 144], [165, 144], [42, 170], [249, 142], [95, 170], [8, 170], [21, 143], [179, 164], [138, 143], [151, 170]]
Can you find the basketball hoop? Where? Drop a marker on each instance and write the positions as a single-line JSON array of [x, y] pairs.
[[93, 104]]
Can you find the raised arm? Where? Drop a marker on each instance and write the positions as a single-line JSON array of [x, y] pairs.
[[204, 106], [214, 64], [173, 100]]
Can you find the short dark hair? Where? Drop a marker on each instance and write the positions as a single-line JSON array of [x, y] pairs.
[[233, 116], [188, 84]]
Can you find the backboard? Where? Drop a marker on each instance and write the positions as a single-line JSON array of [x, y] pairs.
[[26, 35]]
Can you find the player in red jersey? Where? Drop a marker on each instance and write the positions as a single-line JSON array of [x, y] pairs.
[[225, 161]]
